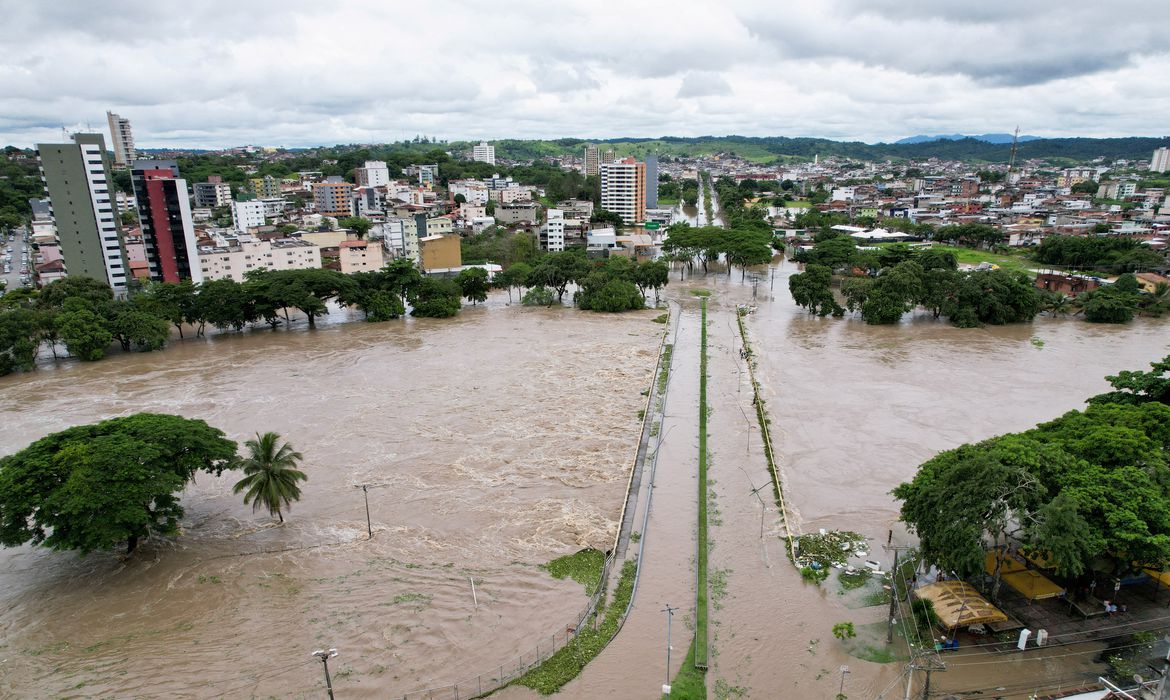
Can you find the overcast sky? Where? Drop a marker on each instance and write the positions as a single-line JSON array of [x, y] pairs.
[[298, 73]]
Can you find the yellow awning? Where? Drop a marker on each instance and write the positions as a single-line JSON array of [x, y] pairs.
[[958, 604], [1033, 585], [1009, 565]]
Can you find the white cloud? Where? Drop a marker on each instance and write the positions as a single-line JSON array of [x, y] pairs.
[[295, 72]]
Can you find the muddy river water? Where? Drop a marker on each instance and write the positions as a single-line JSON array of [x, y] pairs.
[[497, 441]]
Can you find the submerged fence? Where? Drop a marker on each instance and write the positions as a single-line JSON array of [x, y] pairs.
[[507, 672]]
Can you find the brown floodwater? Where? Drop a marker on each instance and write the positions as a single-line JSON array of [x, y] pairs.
[[493, 442], [489, 473]]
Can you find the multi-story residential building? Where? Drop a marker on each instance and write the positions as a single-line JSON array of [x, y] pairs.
[[1116, 190], [552, 233], [265, 187], [652, 181], [474, 191], [610, 156], [374, 173], [368, 201], [334, 197], [212, 194], [233, 258], [360, 256], [591, 160], [623, 189], [122, 140], [427, 174], [484, 153], [77, 176], [400, 238], [1160, 162], [518, 213], [164, 213], [440, 253], [247, 215], [509, 195]]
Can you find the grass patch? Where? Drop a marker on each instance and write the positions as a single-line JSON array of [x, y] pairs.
[[1006, 261], [664, 372], [857, 578], [690, 683], [661, 318], [700, 650], [701, 292], [584, 567], [566, 663]]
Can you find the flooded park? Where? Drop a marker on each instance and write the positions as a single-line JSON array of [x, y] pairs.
[[496, 441]]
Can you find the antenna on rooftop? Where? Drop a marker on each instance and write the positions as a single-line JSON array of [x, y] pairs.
[[1012, 159]]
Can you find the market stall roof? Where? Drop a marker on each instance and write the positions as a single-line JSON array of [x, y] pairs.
[[1033, 585], [958, 604]]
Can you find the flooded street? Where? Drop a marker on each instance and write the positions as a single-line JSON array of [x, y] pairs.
[[493, 442], [497, 441]]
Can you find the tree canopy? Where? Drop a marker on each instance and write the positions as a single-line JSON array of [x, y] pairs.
[[92, 487]]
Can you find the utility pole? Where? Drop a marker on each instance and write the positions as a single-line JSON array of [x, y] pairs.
[[366, 494], [926, 686], [844, 672], [325, 656], [669, 616], [896, 549]]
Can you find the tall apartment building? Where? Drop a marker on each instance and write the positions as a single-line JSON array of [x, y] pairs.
[[122, 140], [246, 215], [552, 233], [427, 174], [484, 153], [212, 194], [623, 189], [164, 212], [1160, 163], [265, 187], [609, 156], [591, 161], [333, 198], [77, 177], [374, 173], [652, 181]]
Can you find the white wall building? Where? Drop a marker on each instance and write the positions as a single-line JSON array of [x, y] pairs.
[[246, 215], [212, 194], [623, 189], [1160, 162], [552, 233], [374, 173], [400, 238], [236, 257], [474, 191], [484, 153]]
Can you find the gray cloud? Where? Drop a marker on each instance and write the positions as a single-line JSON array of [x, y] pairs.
[[703, 84], [298, 72]]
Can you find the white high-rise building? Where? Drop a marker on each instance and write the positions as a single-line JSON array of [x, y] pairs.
[[1160, 163], [484, 153], [623, 189], [591, 160], [122, 140], [552, 233], [246, 215], [375, 173]]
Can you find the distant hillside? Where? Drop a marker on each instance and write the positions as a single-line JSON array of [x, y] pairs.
[[774, 149], [989, 138]]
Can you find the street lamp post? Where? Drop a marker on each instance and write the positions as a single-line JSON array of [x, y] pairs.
[[325, 656], [669, 616]]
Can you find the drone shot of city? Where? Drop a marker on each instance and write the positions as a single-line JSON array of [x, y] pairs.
[[643, 350]]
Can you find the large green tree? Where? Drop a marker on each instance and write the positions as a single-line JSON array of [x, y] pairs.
[[473, 283], [270, 474], [94, 486]]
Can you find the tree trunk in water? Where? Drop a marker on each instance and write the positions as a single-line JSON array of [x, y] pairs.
[[131, 544], [312, 321], [286, 321], [180, 327], [280, 515]]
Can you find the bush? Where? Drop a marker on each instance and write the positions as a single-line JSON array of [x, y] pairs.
[[539, 296]]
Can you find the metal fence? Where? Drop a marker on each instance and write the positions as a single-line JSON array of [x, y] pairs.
[[507, 672]]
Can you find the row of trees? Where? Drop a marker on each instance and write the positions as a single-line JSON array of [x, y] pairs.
[[1091, 489], [615, 278], [93, 487], [740, 247], [82, 314], [1113, 253]]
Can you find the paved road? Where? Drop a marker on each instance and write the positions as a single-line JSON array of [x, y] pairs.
[[19, 247]]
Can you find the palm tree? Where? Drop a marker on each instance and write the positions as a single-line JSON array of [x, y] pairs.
[[270, 474]]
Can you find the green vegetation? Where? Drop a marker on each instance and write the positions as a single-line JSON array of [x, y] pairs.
[[1091, 487], [270, 474], [664, 371], [853, 579], [661, 318], [585, 567], [690, 683], [1109, 253], [701, 637], [94, 486], [844, 630], [564, 665]]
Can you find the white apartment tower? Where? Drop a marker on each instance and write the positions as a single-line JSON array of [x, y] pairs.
[[623, 189], [246, 215], [122, 140], [374, 173], [484, 153], [552, 234], [1160, 163]]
